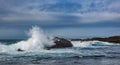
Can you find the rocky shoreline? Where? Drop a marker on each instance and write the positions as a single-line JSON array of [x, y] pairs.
[[112, 39], [62, 43]]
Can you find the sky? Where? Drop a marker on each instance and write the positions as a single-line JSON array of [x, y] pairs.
[[63, 18]]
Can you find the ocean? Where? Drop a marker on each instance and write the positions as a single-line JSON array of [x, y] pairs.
[[82, 53]]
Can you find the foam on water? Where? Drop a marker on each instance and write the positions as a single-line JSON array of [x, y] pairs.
[[89, 43]]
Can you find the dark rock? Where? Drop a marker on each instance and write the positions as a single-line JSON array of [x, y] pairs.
[[20, 49], [61, 43]]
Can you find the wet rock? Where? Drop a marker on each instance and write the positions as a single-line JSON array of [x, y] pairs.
[[61, 43]]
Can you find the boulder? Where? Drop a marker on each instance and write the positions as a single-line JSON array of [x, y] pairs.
[[61, 43]]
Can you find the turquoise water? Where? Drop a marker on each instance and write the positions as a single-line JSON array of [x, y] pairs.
[[83, 53]]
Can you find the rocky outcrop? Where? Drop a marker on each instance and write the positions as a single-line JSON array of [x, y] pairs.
[[113, 39], [61, 43]]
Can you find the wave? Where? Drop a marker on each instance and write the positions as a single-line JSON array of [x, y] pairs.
[[37, 41]]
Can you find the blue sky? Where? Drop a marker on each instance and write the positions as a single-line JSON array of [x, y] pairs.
[[63, 18]]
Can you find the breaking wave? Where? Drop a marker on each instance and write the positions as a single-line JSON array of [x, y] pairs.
[[37, 40]]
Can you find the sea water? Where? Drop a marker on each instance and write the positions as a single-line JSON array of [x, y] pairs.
[[82, 53]]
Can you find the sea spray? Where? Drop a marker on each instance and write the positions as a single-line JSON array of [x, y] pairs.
[[37, 40]]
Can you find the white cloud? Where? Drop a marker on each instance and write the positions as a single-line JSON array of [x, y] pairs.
[[24, 13], [53, 17], [105, 10], [28, 17]]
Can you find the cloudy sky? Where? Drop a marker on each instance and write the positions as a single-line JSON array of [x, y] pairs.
[[64, 18]]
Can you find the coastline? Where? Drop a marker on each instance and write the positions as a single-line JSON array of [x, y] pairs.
[[112, 39]]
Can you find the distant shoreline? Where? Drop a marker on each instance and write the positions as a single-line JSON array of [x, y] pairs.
[[112, 39]]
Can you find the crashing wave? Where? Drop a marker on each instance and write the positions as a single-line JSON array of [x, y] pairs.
[[37, 40]]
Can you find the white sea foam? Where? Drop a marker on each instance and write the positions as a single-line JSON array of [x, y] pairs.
[[89, 43]]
